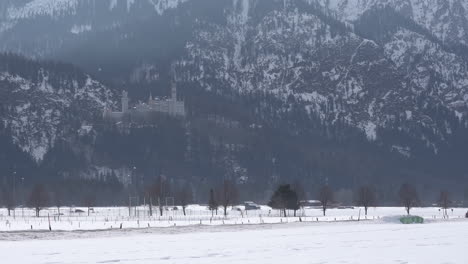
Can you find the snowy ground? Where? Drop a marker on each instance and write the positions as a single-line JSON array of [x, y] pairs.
[[436, 242], [112, 218]]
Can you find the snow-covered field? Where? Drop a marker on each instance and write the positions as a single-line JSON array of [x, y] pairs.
[[114, 217], [260, 236], [436, 242]]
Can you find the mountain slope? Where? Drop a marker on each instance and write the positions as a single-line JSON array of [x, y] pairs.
[[325, 72], [43, 102]]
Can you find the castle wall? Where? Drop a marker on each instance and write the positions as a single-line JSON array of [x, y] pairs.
[[142, 111]]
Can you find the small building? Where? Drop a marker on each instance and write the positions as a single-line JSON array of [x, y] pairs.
[[311, 203]]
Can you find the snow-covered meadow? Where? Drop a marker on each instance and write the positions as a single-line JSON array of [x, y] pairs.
[[107, 218], [259, 236], [337, 242]]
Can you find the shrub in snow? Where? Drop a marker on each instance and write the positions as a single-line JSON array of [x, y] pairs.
[[412, 220]]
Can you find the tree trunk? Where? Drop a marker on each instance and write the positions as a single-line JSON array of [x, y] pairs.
[[37, 212], [225, 211], [183, 210], [324, 209], [365, 210], [407, 210], [160, 210], [295, 213], [9, 212], [88, 211], [150, 209]]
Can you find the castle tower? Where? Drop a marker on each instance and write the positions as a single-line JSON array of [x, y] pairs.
[[124, 102], [174, 91]]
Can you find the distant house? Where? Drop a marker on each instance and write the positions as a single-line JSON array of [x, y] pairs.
[[311, 203]]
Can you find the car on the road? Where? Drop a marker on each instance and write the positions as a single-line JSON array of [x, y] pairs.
[[251, 206]]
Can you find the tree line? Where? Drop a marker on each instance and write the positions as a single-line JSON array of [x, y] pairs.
[[285, 198]]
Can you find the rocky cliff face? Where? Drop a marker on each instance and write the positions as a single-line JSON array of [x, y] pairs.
[[43, 102], [373, 64]]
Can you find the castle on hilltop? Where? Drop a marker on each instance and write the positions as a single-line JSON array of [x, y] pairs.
[[171, 106]]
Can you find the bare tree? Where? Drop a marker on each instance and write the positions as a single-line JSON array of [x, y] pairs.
[[38, 198], [160, 190], [325, 197], [8, 200], [185, 196], [229, 195], [58, 200], [90, 201], [444, 202], [149, 195], [366, 197], [299, 189], [408, 196], [212, 203]]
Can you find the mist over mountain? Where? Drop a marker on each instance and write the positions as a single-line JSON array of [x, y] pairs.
[[339, 91]]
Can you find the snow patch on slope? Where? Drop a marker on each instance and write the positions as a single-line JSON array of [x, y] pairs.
[[240, 19], [112, 5], [38, 113], [78, 29], [41, 8], [162, 5]]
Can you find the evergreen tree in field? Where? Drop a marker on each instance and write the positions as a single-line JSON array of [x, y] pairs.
[[284, 198]]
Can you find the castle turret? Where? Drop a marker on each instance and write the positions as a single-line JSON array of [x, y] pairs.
[[174, 91], [124, 102]]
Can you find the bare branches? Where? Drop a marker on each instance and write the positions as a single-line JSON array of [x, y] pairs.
[[212, 203], [184, 196], [366, 197], [444, 201], [38, 198], [325, 197], [408, 196], [229, 195]]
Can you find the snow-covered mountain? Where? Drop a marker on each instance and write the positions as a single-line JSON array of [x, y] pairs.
[[382, 66], [43, 26], [365, 62]]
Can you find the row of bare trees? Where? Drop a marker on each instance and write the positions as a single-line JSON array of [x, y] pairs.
[[40, 198], [224, 195], [161, 189], [287, 198]]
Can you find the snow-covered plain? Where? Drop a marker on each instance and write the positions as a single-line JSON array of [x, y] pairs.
[[373, 242], [138, 217], [259, 236]]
